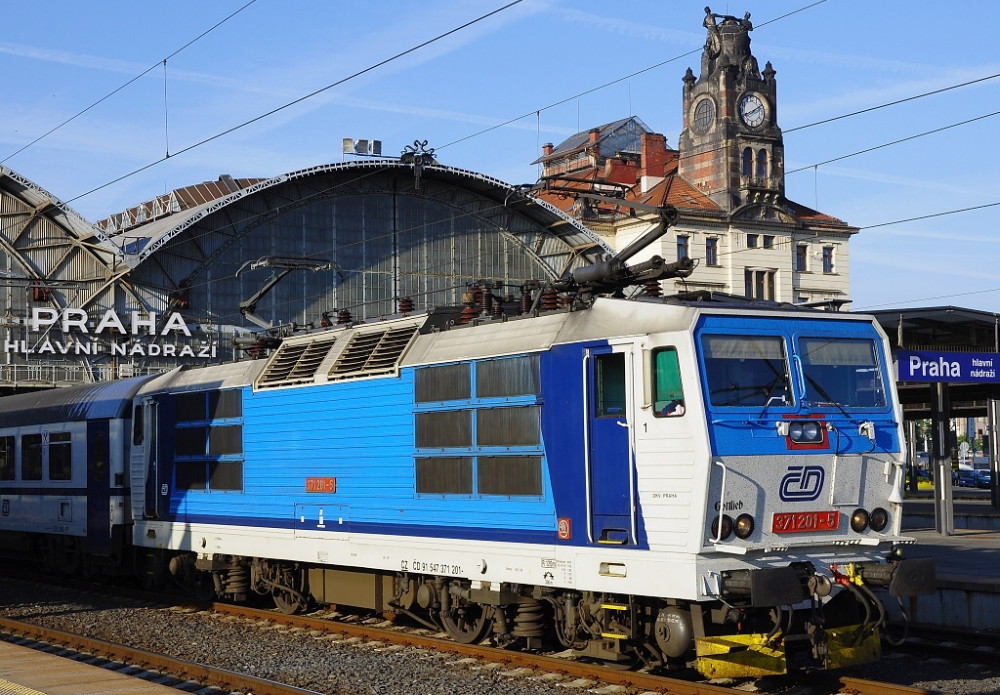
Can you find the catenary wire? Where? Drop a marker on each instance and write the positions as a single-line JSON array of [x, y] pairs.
[[894, 142], [613, 82], [299, 100], [128, 82]]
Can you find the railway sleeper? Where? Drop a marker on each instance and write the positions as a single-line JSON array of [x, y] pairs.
[[739, 637]]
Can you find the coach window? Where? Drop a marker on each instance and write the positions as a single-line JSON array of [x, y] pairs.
[[7, 458], [99, 455], [668, 392], [31, 457], [60, 456]]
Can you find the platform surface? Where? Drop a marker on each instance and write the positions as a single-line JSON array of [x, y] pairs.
[[25, 671]]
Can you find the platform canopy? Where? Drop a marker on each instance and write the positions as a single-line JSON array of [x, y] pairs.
[[943, 329]]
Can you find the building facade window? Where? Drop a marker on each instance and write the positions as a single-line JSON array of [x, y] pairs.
[[753, 241], [802, 258], [761, 172], [768, 240], [683, 247], [759, 283], [828, 259], [747, 168], [712, 251]]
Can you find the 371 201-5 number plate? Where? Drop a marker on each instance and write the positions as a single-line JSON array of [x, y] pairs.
[[803, 522]]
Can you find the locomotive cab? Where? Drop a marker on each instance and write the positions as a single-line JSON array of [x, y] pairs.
[[802, 500]]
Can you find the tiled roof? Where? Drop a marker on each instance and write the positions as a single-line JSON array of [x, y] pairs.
[[579, 141], [671, 190]]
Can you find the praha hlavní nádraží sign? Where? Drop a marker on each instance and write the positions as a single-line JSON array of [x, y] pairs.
[[76, 332], [968, 367]]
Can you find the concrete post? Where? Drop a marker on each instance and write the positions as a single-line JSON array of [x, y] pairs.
[[940, 461]]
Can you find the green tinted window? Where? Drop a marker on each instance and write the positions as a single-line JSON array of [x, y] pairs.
[[668, 391]]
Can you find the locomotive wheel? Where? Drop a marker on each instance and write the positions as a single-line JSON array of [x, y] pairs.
[[288, 601], [468, 624]]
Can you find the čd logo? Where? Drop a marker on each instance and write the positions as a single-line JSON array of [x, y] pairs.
[[802, 483]]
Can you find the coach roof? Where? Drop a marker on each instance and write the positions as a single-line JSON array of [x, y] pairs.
[[109, 399]]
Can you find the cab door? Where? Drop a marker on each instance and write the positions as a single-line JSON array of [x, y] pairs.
[[610, 477]]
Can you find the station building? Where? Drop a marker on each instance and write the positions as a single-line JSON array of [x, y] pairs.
[[173, 281], [726, 179]]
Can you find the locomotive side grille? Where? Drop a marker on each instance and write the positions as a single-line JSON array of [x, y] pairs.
[[305, 368], [295, 363], [372, 353]]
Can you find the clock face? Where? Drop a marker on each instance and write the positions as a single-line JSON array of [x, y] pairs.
[[704, 116], [752, 110]]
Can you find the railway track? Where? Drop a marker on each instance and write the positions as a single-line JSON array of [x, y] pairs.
[[955, 645], [595, 673], [383, 635], [187, 676]]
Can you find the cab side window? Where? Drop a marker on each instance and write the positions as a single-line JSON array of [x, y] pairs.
[[668, 391]]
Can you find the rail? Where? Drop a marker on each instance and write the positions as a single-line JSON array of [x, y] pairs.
[[150, 660]]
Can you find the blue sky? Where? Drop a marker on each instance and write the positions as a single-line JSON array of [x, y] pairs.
[[546, 60]]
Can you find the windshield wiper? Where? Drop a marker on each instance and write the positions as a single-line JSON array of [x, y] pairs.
[[829, 400]]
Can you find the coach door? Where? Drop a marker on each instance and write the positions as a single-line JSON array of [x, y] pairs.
[[610, 477], [145, 453], [99, 510]]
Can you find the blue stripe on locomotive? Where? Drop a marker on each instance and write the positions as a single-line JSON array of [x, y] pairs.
[[752, 430]]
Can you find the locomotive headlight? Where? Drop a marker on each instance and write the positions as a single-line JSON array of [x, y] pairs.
[[744, 526], [879, 519], [859, 520], [727, 527], [808, 432]]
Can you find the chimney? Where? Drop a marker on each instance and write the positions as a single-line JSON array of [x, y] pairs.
[[547, 149], [595, 133], [617, 171], [654, 157]]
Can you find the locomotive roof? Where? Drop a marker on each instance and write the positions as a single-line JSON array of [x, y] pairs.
[[106, 399], [220, 376]]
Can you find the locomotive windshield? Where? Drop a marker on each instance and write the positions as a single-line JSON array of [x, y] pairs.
[[746, 371], [842, 372]]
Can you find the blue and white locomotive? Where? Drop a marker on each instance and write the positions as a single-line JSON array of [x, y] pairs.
[[660, 481]]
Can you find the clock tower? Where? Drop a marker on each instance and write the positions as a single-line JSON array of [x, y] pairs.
[[731, 148]]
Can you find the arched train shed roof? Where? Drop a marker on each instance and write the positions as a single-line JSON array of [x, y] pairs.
[[565, 239], [385, 229]]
